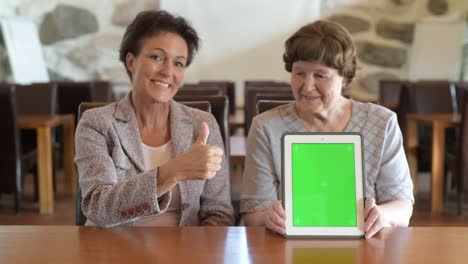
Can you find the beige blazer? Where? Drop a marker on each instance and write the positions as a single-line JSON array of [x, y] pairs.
[[116, 189]]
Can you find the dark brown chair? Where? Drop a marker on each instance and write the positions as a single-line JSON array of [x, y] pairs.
[[10, 157], [251, 100], [12, 161], [457, 157], [389, 91], [230, 91], [202, 105], [221, 88], [429, 97], [264, 105], [249, 83], [219, 109], [71, 94], [462, 168], [80, 218], [102, 92], [37, 99]]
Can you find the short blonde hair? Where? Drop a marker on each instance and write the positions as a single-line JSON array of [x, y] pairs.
[[326, 42]]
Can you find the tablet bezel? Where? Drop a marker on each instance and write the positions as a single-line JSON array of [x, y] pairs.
[[345, 137]]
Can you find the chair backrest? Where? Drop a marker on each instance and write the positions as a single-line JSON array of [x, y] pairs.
[[427, 97], [80, 218], [251, 100], [249, 83], [264, 105], [10, 155], [219, 109], [37, 98], [102, 92], [71, 94], [230, 90], [263, 85], [389, 91], [461, 88], [202, 105], [463, 145]]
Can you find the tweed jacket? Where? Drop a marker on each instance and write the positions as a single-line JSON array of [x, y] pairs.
[[116, 189]]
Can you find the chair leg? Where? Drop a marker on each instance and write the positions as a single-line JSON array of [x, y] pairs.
[[17, 202], [460, 203], [36, 183]]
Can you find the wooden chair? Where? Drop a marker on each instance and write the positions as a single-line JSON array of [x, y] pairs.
[[389, 91], [251, 100], [458, 157], [37, 99], [230, 90], [101, 91], [264, 105], [202, 89], [428, 97], [462, 173], [71, 94], [13, 162]]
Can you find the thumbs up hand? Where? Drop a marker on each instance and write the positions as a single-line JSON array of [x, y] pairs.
[[204, 133], [201, 162]]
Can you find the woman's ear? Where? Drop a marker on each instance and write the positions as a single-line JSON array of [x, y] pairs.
[[129, 61]]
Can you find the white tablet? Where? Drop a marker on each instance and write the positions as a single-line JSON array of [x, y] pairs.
[[322, 184]]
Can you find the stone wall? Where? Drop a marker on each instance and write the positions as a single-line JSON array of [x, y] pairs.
[[81, 38], [383, 31]]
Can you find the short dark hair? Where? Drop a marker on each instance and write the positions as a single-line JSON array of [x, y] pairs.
[[326, 42], [152, 22]]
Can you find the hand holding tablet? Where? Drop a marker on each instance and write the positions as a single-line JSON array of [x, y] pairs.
[[323, 190]]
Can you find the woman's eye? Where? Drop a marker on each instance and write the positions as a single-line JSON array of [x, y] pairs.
[[299, 73], [156, 57], [319, 75], [179, 64]]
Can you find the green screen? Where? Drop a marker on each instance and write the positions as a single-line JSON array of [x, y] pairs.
[[323, 185]]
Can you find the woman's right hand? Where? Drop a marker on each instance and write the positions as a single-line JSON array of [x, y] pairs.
[[201, 162], [275, 218]]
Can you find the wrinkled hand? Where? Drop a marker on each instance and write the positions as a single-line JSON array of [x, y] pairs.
[[275, 218], [373, 219], [201, 162]]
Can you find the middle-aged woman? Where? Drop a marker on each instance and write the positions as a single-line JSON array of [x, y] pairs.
[[321, 58], [148, 160]]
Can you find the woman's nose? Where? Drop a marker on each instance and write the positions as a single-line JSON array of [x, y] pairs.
[[166, 68], [309, 82]]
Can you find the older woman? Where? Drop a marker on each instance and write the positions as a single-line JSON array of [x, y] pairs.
[[148, 160], [321, 58]]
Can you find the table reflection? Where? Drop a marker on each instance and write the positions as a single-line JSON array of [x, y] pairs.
[[322, 251]]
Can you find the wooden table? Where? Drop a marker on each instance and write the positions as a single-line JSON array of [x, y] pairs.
[[72, 244], [238, 149], [43, 125], [439, 123]]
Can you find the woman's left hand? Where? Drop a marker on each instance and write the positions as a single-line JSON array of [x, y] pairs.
[[373, 218]]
